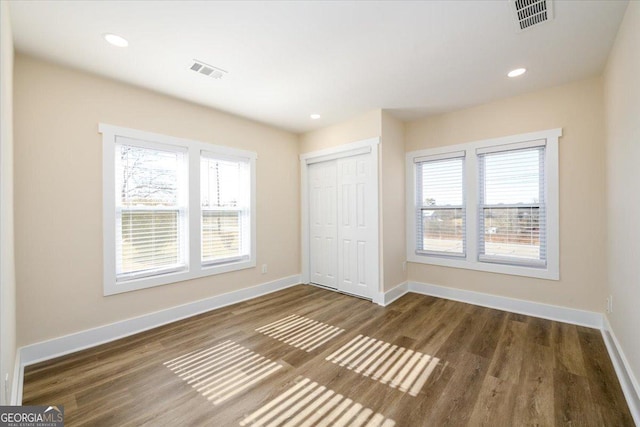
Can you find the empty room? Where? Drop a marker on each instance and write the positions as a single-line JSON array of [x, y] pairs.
[[320, 213]]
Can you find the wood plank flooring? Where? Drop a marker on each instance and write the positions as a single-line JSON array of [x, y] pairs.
[[306, 356]]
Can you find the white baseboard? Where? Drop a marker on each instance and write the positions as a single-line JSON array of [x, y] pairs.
[[628, 381], [590, 319], [71, 343], [386, 298]]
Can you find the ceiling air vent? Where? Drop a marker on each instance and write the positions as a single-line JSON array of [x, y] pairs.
[[207, 70], [529, 13]]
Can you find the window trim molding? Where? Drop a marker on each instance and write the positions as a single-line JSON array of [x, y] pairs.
[[195, 268], [471, 262]]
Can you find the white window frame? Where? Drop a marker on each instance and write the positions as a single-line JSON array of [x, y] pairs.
[[552, 269], [195, 267], [419, 207], [182, 208], [246, 241]]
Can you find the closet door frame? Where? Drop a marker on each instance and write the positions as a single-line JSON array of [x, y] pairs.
[[368, 146]]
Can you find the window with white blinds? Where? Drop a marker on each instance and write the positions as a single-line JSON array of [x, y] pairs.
[[150, 210], [174, 209], [490, 205], [512, 217], [440, 205], [225, 213]]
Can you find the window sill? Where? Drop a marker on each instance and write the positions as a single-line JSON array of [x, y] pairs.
[[547, 273], [111, 287]]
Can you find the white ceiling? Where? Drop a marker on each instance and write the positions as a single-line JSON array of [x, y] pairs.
[[289, 59]]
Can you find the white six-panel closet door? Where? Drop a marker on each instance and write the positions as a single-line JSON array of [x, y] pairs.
[[342, 230]]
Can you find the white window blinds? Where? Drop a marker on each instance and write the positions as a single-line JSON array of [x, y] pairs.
[[440, 205], [512, 212], [225, 205], [150, 210]]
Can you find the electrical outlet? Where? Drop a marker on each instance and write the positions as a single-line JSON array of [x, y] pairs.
[[404, 265], [264, 268]]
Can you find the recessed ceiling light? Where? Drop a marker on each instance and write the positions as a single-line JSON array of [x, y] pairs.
[[116, 40], [517, 72], [315, 116]]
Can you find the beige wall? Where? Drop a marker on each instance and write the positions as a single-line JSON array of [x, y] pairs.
[[622, 103], [7, 270], [392, 209], [58, 184], [358, 128], [577, 108]]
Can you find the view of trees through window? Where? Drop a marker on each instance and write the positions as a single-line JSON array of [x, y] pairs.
[[148, 201]]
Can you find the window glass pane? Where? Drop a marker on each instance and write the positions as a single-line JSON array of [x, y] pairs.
[[220, 183], [512, 214], [440, 200], [512, 232], [443, 230], [220, 234], [149, 240], [512, 177], [442, 183], [147, 177], [224, 201], [149, 215]]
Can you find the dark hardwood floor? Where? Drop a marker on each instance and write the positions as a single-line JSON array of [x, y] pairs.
[[306, 356]]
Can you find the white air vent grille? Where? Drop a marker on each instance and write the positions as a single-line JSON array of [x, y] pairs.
[[208, 70], [529, 13]]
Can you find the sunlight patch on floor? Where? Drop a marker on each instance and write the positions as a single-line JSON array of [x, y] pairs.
[[307, 403], [300, 332], [222, 371], [395, 366]]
